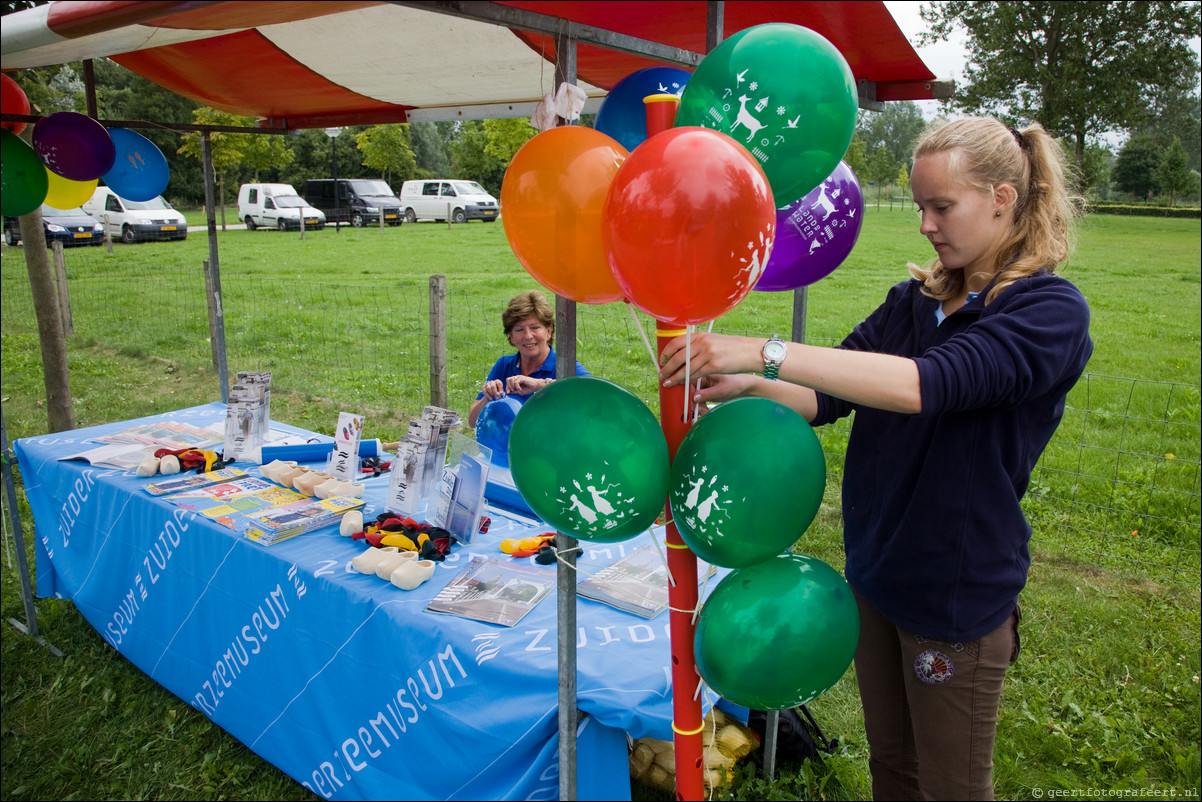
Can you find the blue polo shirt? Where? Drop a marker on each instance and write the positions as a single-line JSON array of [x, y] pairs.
[[511, 365]]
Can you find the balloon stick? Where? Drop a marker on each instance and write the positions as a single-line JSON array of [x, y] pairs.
[[682, 564]]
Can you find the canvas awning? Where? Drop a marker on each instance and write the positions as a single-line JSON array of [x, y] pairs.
[[317, 64]]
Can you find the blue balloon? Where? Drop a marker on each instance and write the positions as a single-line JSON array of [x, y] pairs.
[[622, 115], [492, 427], [139, 172]]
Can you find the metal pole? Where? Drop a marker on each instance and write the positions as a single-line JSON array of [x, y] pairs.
[[565, 577], [214, 277], [334, 167], [30, 627]]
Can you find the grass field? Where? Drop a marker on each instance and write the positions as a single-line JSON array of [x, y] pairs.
[[1106, 695]]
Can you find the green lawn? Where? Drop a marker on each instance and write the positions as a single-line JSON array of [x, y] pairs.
[[1105, 696]]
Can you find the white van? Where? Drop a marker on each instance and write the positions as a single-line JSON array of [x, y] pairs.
[[276, 206], [435, 198], [135, 221]]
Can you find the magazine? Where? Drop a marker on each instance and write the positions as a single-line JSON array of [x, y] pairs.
[[232, 504], [278, 524], [493, 591], [637, 583], [125, 450], [192, 481]]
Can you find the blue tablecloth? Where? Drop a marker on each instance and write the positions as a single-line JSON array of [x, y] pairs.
[[341, 680]]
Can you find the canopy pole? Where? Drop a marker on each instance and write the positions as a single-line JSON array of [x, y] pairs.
[[214, 268], [565, 566]]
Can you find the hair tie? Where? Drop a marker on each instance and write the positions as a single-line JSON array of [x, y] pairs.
[[1018, 137]]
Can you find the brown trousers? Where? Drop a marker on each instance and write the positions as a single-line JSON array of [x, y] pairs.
[[931, 708]]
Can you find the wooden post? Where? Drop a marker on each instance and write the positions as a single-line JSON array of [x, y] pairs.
[[448, 216], [438, 340], [59, 412], [381, 219], [302, 223], [108, 238], [64, 297]]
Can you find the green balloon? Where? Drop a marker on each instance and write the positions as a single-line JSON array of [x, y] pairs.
[[777, 634], [590, 459], [747, 480], [785, 94], [23, 181]]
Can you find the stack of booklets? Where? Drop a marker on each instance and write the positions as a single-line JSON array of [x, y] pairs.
[[493, 591], [170, 485], [283, 523], [637, 583]]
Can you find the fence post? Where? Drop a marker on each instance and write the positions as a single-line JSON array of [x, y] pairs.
[[438, 340], [108, 237], [64, 297], [381, 219], [211, 301], [302, 222], [448, 216]]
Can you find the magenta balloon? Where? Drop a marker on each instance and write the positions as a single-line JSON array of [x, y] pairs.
[[140, 170], [815, 234], [73, 145]]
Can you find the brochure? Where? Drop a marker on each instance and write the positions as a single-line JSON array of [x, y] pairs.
[[192, 481], [278, 524], [126, 449], [232, 504], [493, 591], [467, 498], [637, 583]]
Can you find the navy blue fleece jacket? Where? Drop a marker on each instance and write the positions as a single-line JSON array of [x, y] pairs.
[[934, 535]]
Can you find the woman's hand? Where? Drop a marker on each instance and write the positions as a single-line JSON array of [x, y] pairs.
[[709, 354], [525, 385], [494, 389]]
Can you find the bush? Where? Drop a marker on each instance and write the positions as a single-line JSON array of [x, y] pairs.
[[1147, 211]]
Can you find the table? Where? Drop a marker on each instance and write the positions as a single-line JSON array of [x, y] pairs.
[[341, 680]]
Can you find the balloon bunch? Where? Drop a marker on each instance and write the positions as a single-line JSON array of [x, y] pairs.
[[747, 191], [71, 152]]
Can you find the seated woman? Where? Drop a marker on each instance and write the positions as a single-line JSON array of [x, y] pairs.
[[529, 323]]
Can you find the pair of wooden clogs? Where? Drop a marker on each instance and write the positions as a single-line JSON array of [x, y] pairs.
[[308, 481], [405, 569]]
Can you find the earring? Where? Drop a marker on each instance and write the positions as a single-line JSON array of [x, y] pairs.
[[997, 214]]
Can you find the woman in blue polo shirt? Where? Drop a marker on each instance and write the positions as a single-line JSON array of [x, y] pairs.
[[529, 323]]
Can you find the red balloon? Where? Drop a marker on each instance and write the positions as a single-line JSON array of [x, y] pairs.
[[12, 101], [688, 225]]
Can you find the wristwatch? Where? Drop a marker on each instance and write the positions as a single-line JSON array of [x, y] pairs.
[[774, 354]]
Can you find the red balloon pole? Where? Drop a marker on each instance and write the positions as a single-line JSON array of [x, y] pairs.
[[682, 563]]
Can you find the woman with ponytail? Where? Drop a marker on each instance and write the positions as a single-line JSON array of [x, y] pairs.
[[957, 382]]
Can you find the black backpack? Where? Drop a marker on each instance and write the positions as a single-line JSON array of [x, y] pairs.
[[798, 736]]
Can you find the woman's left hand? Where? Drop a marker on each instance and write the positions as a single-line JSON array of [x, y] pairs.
[[524, 385]]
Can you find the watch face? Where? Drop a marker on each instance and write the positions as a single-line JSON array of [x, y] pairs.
[[774, 350]]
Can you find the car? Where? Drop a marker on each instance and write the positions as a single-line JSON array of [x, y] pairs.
[[436, 198], [136, 221], [69, 226], [276, 206], [359, 201]]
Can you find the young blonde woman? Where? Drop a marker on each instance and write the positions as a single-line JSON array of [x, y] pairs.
[[957, 382]]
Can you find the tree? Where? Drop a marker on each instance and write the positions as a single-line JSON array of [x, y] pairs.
[[386, 148], [1081, 68], [266, 152], [226, 149], [483, 149], [882, 167], [1173, 173], [897, 128], [1135, 168], [506, 137], [855, 157], [1176, 113], [429, 143], [903, 179]]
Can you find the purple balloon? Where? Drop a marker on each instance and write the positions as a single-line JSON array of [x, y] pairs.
[[815, 234], [74, 146]]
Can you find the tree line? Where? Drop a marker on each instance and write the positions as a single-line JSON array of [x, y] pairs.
[[1091, 72]]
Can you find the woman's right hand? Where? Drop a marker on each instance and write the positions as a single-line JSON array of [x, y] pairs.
[[494, 389]]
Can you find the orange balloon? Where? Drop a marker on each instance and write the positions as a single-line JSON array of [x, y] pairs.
[[551, 201]]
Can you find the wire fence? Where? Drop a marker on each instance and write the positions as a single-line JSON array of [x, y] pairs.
[[1118, 485]]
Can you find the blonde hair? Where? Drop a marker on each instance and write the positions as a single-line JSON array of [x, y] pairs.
[[527, 304], [984, 154]]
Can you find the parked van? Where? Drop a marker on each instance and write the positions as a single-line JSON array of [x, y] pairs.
[[435, 198], [136, 221], [360, 201], [276, 206]]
